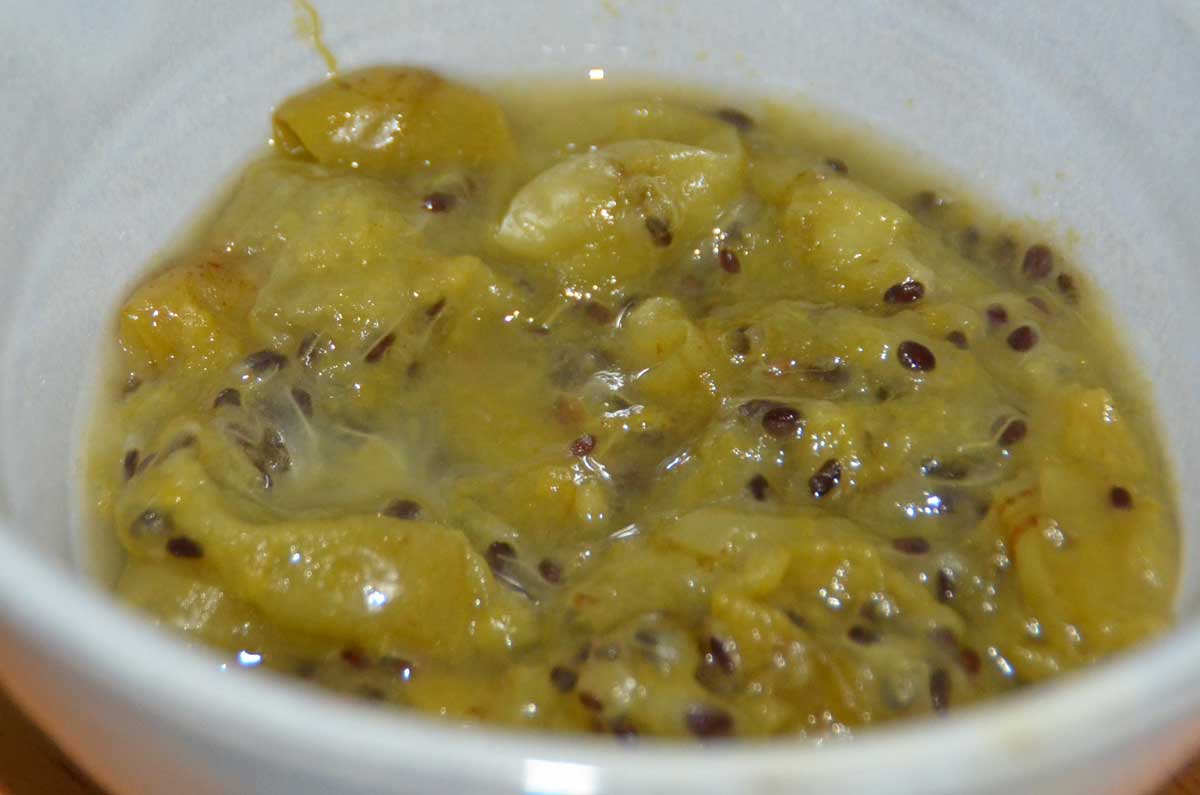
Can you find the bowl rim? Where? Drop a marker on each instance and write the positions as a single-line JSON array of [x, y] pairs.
[[1042, 727]]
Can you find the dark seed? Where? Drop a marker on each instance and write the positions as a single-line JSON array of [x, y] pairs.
[[551, 572], [151, 523], [970, 661], [758, 487], [826, 478], [1022, 338], [997, 315], [943, 470], [926, 201], [402, 509], [829, 374], [435, 308], [1038, 262], [303, 401], [184, 547], [1004, 251], [720, 655], [739, 341], [796, 619], [660, 233], [735, 117], [131, 385], [646, 637], [598, 312], [307, 352], [915, 356], [863, 635], [262, 362], [911, 545], [945, 585], [590, 702], [564, 679], [1065, 282], [583, 445], [147, 462], [1013, 432], [837, 165], [781, 421], [1120, 498], [439, 202], [130, 463], [380, 348], [706, 721], [227, 397], [939, 690], [883, 394], [906, 292], [623, 728], [957, 339], [355, 658], [1037, 303], [499, 553], [729, 261]]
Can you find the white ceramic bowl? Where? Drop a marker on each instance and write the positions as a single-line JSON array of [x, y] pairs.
[[118, 126]]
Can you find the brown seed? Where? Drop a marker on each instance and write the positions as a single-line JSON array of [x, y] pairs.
[[945, 585], [563, 678], [970, 661], [905, 292], [729, 260], [939, 689], [147, 462], [598, 312], [997, 315], [911, 545], [184, 547], [551, 572], [735, 117], [864, 636], [303, 401], [402, 509], [796, 619], [264, 361], [758, 487], [227, 397], [1013, 432], [131, 385], [781, 421], [1120, 498], [590, 702], [380, 348], [130, 463], [439, 202], [837, 165], [739, 341], [435, 309], [720, 656], [355, 658], [926, 201], [660, 233], [1038, 262], [309, 349], [706, 721], [825, 479], [623, 728], [1066, 283], [1039, 304], [583, 446], [915, 356], [499, 553], [957, 339], [1022, 338]]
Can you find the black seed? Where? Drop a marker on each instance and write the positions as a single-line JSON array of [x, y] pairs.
[[227, 397], [499, 553], [957, 339], [915, 356], [380, 348], [739, 341], [826, 478], [1004, 251], [435, 309], [705, 721], [926, 201], [1013, 432], [883, 394], [781, 421], [970, 661], [355, 658], [598, 312], [660, 233], [729, 261], [130, 463], [439, 202], [402, 509], [720, 655], [1066, 283], [151, 524], [564, 679], [590, 702], [906, 292], [1120, 498], [264, 361], [184, 547], [303, 401], [307, 351], [939, 690], [837, 165], [796, 619], [735, 117], [550, 571], [1022, 338], [863, 635], [758, 487], [997, 315], [147, 462], [583, 445], [1038, 262], [911, 545], [945, 585]]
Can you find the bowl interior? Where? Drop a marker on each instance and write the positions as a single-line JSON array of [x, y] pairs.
[[119, 130]]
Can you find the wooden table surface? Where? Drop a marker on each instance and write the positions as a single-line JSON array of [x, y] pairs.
[[31, 765]]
